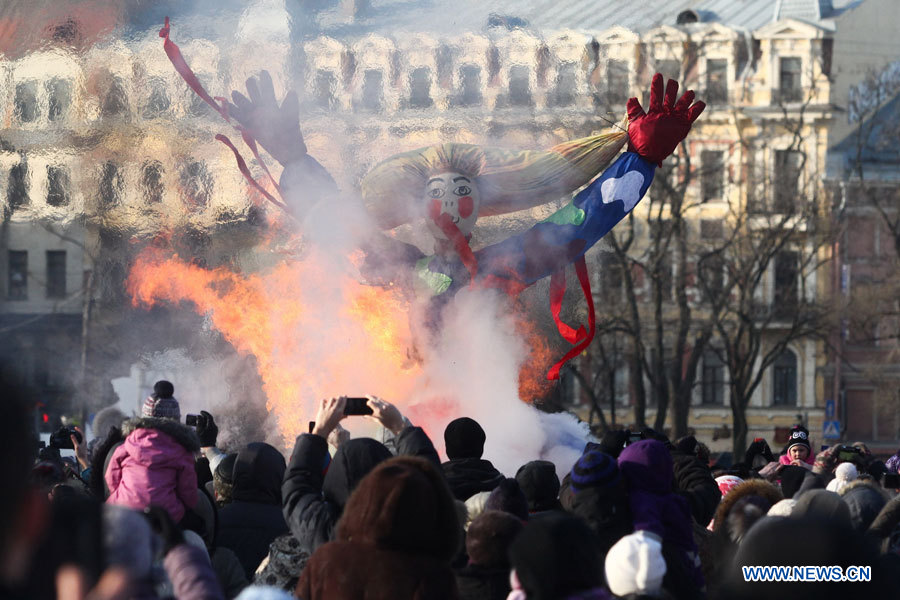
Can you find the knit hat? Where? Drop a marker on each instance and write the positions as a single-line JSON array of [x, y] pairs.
[[635, 565], [595, 469], [225, 468], [782, 508], [464, 438], [727, 482], [161, 408], [843, 475], [540, 485], [509, 498], [489, 537], [799, 436], [163, 389], [475, 504]]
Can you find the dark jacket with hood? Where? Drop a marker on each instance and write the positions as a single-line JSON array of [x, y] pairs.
[[648, 471], [315, 491], [395, 540], [253, 519], [469, 476], [739, 510]]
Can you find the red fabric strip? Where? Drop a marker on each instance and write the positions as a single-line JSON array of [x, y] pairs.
[[242, 166], [557, 292], [460, 243], [584, 280], [220, 105]]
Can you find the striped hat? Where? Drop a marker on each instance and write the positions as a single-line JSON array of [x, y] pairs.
[[161, 408], [595, 469]]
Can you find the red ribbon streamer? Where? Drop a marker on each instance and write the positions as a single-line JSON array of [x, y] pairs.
[[557, 291], [584, 280], [177, 60], [242, 166], [460, 243]]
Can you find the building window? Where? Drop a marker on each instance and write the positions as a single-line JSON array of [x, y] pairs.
[[711, 229], [420, 88], [520, 86], [617, 87], [784, 379], [712, 275], [787, 180], [789, 88], [669, 68], [444, 62], [786, 296], [717, 81], [566, 85], [111, 185], [712, 178], [470, 85], [115, 103], [196, 185], [59, 92], [372, 90], [56, 273], [17, 285], [713, 379], [611, 278], [57, 186], [26, 102], [158, 102], [17, 187], [325, 93], [152, 183]]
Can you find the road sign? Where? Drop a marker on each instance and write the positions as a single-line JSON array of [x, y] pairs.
[[829, 409], [831, 430]]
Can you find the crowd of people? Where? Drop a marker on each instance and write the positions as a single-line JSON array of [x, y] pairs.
[[151, 507]]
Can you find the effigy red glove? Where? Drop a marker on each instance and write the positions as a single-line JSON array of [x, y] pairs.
[[654, 135]]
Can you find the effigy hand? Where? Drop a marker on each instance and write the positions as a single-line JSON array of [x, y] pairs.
[[276, 128], [654, 135]]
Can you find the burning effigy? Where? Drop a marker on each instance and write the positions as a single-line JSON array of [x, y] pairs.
[[352, 309]]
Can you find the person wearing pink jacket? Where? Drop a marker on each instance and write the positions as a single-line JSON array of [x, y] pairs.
[[154, 466]]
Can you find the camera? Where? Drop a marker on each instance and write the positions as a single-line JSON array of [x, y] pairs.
[[632, 437], [61, 438], [357, 406], [848, 453], [192, 420]]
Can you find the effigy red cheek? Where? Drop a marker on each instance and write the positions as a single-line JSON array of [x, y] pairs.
[[434, 208], [466, 206]]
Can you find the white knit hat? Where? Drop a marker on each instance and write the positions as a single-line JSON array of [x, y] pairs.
[[843, 475], [782, 508], [635, 565]]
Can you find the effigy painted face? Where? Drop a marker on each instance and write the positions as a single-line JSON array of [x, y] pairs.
[[453, 194]]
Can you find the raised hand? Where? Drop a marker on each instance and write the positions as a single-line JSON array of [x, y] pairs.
[[329, 415], [654, 135], [387, 414], [276, 128]]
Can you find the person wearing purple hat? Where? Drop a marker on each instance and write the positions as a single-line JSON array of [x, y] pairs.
[[648, 471]]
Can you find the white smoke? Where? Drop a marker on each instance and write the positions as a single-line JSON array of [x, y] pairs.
[[475, 361]]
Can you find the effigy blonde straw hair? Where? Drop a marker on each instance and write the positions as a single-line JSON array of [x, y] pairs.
[[508, 180]]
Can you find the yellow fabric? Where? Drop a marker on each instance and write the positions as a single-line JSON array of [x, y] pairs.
[[508, 180]]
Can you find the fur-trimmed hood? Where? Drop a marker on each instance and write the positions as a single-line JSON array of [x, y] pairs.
[[751, 487], [184, 435], [865, 500]]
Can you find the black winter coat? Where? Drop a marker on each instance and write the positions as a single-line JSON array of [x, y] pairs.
[[313, 501], [253, 519], [469, 476], [694, 481], [483, 583]]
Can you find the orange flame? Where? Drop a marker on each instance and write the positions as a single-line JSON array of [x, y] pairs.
[[316, 332], [299, 358]]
